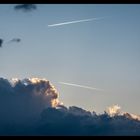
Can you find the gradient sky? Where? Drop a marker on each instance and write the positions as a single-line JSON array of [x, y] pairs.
[[103, 54]]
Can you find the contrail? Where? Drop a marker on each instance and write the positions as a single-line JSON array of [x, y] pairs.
[[75, 21], [87, 87]]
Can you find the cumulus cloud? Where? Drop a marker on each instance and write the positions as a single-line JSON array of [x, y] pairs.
[[23, 99], [114, 110], [1, 42], [25, 7], [31, 107]]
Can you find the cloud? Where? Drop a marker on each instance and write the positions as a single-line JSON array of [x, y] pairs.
[[25, 7], [1, 42], [31, 107], [24, 99], [78, 122], [114, 110], [15, 40]]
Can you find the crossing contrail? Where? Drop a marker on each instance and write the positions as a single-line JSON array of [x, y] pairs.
[[82, 86], [75, 21]]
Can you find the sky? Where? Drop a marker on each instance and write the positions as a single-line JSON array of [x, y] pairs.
[[101, 53]]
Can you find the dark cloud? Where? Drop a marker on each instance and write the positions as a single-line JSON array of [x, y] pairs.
[[1, 42], [60, 122], [31, 107], [15, 40], [24, 99], [25, 7]]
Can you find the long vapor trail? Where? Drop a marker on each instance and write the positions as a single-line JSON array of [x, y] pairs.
[[82, 86], [75, 21]]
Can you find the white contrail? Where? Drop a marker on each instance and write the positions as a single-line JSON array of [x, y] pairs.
[[75, 21], [87, 87]]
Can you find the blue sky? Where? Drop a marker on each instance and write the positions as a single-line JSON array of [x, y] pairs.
[[103, 53]]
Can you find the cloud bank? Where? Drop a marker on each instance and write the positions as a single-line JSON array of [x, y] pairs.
[[31, 107], [79, 122]]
